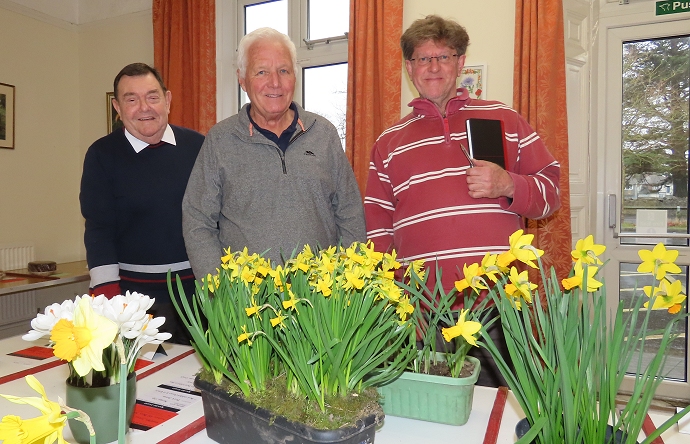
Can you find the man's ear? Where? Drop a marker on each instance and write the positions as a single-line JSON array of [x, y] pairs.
[[116, 105], [241, 80], [168, 99]]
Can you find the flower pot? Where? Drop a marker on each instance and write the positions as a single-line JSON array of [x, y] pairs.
[[102, 405], [523, 426], [232, 420], [431, 398]]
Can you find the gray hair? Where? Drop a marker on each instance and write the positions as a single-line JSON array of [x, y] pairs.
[[262, 34]]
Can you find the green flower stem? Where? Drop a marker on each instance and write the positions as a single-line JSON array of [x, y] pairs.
[[122, 411]]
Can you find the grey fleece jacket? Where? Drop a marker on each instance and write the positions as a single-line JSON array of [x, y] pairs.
[[245, 192]]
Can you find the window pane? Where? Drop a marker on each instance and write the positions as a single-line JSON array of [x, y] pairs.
[[325, 93], [631, 284], [328, 18], [272, 14], [656, 74]]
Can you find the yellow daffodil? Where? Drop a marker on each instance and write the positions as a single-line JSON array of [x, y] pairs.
[[278, 320], [389, 261], [519, 285], [491, 268], [666, 295], [354, 279], [390, 290], [404, 309], [82, 342], [245, 336], [521, 249], [587, 251], [291, 304], [473, 278], [466, 329], [324, 284], [659, 261], [253, 310], [577, 279], [46, 428]]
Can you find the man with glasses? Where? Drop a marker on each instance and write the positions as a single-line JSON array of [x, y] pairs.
[[425, 197]]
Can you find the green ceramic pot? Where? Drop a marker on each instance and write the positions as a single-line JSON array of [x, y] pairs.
[[440, 399], [102, 405]]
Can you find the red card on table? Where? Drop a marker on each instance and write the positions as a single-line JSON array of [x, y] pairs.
[[147, 417], [34, 352]]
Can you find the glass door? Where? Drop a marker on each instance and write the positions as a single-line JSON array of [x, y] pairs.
[[646, 168]]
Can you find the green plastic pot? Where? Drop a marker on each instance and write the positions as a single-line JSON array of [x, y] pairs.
[[432, 398], [102, 404]]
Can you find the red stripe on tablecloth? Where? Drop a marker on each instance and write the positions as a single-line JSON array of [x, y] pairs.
[[648, 428], [165, 364], [186, 432], [29, 371], [496, 416]]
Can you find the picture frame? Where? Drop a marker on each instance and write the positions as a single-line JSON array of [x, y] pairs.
[[473, 78], [7, 114], [113, 118]]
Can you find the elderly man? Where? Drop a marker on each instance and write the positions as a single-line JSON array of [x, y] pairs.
[[424, 197], [131, 196], [273, 177]]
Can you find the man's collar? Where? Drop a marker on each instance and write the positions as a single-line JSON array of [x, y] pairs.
[[139, 145]]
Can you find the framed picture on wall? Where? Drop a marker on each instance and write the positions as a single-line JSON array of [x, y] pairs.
[[6, 116], [114, 121], [473, 77]]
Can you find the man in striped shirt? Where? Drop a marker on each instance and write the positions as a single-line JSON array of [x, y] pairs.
[[424, 197]]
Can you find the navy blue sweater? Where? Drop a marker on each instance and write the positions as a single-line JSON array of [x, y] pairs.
[[132, 202]]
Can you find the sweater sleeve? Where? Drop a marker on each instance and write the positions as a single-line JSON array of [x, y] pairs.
[[201, 211], [536, 177], [347, 202], [97, 200], [379, 204]]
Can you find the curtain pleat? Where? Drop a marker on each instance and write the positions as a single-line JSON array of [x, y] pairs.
[[374, 77], [184, 48], [539, 94]]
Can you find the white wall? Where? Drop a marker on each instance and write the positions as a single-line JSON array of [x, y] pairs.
[[61, 73], [491, 40]]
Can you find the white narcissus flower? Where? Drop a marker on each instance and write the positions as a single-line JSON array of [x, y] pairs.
[[125, 310], [44, 322]]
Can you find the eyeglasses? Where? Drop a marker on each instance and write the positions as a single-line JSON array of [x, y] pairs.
[[442, 59]]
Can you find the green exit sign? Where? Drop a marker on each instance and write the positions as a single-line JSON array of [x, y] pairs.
[[669, 7]]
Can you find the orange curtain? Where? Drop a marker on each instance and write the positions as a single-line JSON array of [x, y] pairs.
[[184, 51], [539, 95], [374, 76]]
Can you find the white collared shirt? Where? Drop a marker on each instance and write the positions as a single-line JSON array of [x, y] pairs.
[[139, 145]]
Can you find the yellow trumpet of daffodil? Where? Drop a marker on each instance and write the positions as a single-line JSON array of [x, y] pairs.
[[666, 295], [245, 336], [577, 279], [44, 429], [521, 249], [491, 268], [659, 261], [278, 320], [82, 342], [473, 278], [404, 309], [587, 251], [466, 329]]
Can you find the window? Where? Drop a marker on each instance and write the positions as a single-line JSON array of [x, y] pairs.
[[319, 30]]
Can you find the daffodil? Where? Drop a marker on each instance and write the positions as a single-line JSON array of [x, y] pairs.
[[354, 279], [659, 261], [473, 278], [404, 309], [578, 278], [82, 342], [666, 295], [587, 251], [466, 329], [44, 429], [245, 336], [278, 320], [519, 285], [491, 268], [521, 249]]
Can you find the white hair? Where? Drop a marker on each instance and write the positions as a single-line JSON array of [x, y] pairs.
[[262, 34]]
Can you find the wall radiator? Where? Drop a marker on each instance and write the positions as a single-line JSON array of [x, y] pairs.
[[13, 257], [18, 308]]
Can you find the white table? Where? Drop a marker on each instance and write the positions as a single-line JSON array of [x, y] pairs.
[[395, 430]]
